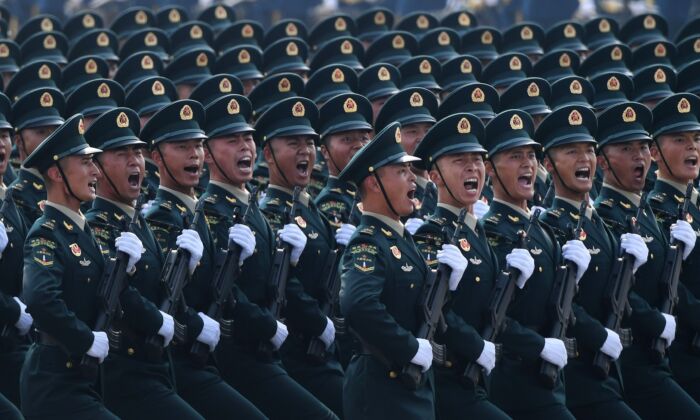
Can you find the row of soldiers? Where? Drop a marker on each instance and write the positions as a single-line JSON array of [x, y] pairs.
[[230, 303]]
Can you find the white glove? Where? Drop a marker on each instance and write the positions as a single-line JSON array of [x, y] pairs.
[[521, 259], [612, 345], [328, 334], [535, 208], [669, 332], [343, 233], [424, 355], [190, 242], [412, 225], [576, 252], [24, 323], [131, 245], [480, 209], [100, 346], [280, 335], [293, 235], [211, 332], [633, 244], [145, 206], [487, 358], [3, 238], [452, 256], [167, 328], [243, 236], [682, 231], [554, 352]]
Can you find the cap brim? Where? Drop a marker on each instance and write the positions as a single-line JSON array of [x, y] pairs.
[[87, 150], [41, 122], [347, 126], [678, 128]]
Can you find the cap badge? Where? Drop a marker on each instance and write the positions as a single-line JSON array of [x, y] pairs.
[[202, 60], [157, 88], [616, 54], [292, 49], [660, 50], [186, 113], [683, 106], [425, 67], [225, 85], [49, 42], [220, 13], [526, 33], [422, 22], [340, 24], [604, 26], [90, 67], [103, 91], [575, 118], [81, 126], [516, 123], [478, 95], [629, 115], [487, 38], [44, 72], [46, 25], [284, 85], [46, 100], [233, 107], [533, 90], [150, 40], [569, 31], [383, 74], [88, 21], [243, 57], [247, 31], [349, 106], [140, 17], [464, 19], [338, 76], [463, 126], [649, 22], [398, 42], [174, 16], [291, 29], [575, 87], [102, 40], [147, 62], [415, 100], [346, 47], [122, 120], [379, 18], [515, 64], [298, 110], [397, 135], [613, 84], [444, 39], [660, 76], [564, 60]]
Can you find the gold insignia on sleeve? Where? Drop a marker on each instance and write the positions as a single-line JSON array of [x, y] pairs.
[[536, 251]]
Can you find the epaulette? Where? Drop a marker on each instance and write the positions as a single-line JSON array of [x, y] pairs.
[[102, 215], [166, 205], [367, 230], [608, 202], [660, 197], [493, 219], [212, 199], [554, 212], [274, 202], [337, 190], [49, 224], [440, 221], [18, 187]]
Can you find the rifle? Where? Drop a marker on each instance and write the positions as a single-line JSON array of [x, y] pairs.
[[501, 298], [670, 277], [111, 286], [565, 288], [280, 270], [175, 275], [7, 203], [224, 280], [437, 288], [329, 307], [618, 291]]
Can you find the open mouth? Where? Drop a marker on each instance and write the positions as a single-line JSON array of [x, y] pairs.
[[690, 161], [303, 168], [245, 163], [93, 187], [638, 171], [583, 174], [192, 169], [471, 184], [411, 194], [525, 180], [134, 180]]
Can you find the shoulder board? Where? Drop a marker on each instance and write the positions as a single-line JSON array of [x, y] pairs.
[[659, 197], [493, 219], [212, 199], [337, 190], [102, 215], [608, 202], [49, 224], [18, 186], [440, 221], [679, 198], [554, 212], [166, 205], [367, 230], [273, 202]]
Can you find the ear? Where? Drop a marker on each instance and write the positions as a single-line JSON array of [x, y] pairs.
[[548, 165], [654, 150], [267, 153], [370, 184], [17, 137], [602, 163], [488, 166], [324, 152], [155, 156], [434, 176], [207, 155], [54, 174]]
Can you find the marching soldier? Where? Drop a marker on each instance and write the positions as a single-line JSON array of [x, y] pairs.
[[452, 154], [134, 385], [624, 156], [175, 136]]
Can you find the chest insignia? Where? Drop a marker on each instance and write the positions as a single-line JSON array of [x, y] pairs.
[[395, 251], [535, 251], [647, 239], [85, 262], [387, 233], [230, 199], [582, 236], [313, 235], [513, 219], [300, 221], [180, 208], [37, 186], [407, 268], [594, 251], [75, 249], [625, 205], [68, 226], [464, 244], [475, 260]]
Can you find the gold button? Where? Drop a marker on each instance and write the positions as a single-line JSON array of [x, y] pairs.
[[88, 279], [69, 365], [477, 279], [448, 364], [318, 252], [130, 351], [540, 269], [146, 267], [651, 256], [596, 268], [412, 285], [393, 375]]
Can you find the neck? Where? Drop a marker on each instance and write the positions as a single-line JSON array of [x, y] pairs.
[[666, 174], [175, 186], [58, 196], [521, 204], [218, 177], [561, 191], [376, 206]]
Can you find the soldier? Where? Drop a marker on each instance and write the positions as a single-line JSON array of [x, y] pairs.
[[175, 136], [63, 265], [134, 385], [230, 153], [288, 138], [452, 154], [383, 282], [566, 135], [624, 156], [512, 167]]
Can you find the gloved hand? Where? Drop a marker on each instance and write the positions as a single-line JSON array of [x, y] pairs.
[[576, 252], [633, 244], [487, 358], [343, 233], [280, 335], [669, 332], [412, 225], [293, 235], [480, 209], [521, 259], [24, 323], [211, 332], [243, 236], [554, 352], [612, 345], [4, 240], [682, 231], [167, 328], [100, 346], [131, 245], [189, 241], [534, 208], [328, 334], [452, 257], [145, 206], [424, 355]]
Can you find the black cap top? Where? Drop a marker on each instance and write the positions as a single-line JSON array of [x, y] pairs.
[[569, 124], [241, 33], [170, 17], [151, 94], [285, 28], [417, 23], [32, 76], [191, 36], [525, 38], [286, 54], [654, 83], [565, 36], [39, 23], [476, 98], [340, 50], [45, 46], [38, 108], [5, 112], [216, 86], [345, 112], [508, 130], [653, 53], [179, 121], [373, 23], [95, 97], [101, 42], [218, 16], [82, 22], [393, 47], [228, 115], [557, 64], [457, 133], [461, 21], [459, 71], [274, 89], [409, 106], [244, 62], [118, 127], [9, 56], [610, 58], [330, 28], [330, 81], [295, 116], [131, 20], [644, 28], [622, 123], [689, 78], [66, 140], [687, 52], [379, 81], [150, 39], [600, 31], [483, 42], [440, 43], [610, 89], [137, 67], [572, 90], [190, 68], [506, 70], [530, 95], [420, 71], [675, 114], [691, 28]]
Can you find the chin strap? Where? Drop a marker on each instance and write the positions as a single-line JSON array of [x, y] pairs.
[[444, 180], [216, 163], [556, 171], [165, 165], [65, 181], [495, 172], [114, 187], [602, 152], [386, 197], [274, 158], [658, 147]]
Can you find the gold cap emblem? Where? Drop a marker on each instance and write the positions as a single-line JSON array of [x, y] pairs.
[[415, 100], [102, 40], [195, 32], [683, 106], [478, 96], [575, 87], [46, 25], [4, 50], [444, 39], [696, 45], [346, 47], [103, 91], [616, 54], [243, 57], [569, 31], [613, 84], [422, 22], [90, 67], [186, 113], [575, 118], [383, 74], [526, 33], [202, 60], [291, 29], [337, 76], [515, 64], [649, 22], [660, 76], [397, 135], [88, 21], [233, 107], [487, 38], [49, 42], [604, 26], [379, 18], [247, 31], [516, 123], [44, 72], [397, 42], [220, 13], [629, 115], [464, 20], [225, 86], [147, 62], [140, 17], [564, 60], [122, 120], [340, 24], [466, 66], [157, 88], [46, 100], [284, 85], [463, 126], [292, 49], [660, 50], [425, 67], [81, 127], [533, 90], [349, 106], [150, 40], [174, 16], [298, 110]]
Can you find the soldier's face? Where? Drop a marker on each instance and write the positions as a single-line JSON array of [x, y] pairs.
[[575, 164], [339, 148], [400, 186], [184, 160], [126, 168], [463, 174], [29, 138], [234, 154], [412, 134], [249, 84], [81, 174], [517, 169], [5, 150], [630, 162], [294, 156], [680, 152]]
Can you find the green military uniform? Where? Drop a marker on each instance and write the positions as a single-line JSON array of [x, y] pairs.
[[383, 284], [455, 397], [296, 116], [202, 387], [515, 385], [62, 268], [649, 387], [134, 385]]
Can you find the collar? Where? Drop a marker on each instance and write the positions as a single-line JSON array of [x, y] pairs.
[[75, 217], [576, 205], [129, 210], [32, 171], [634, 198], [395, 225], [524, 213], [240, 194], [3, 190], [304, 197], [680, 187], [422, 181], [469, 218], [188, 201]]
